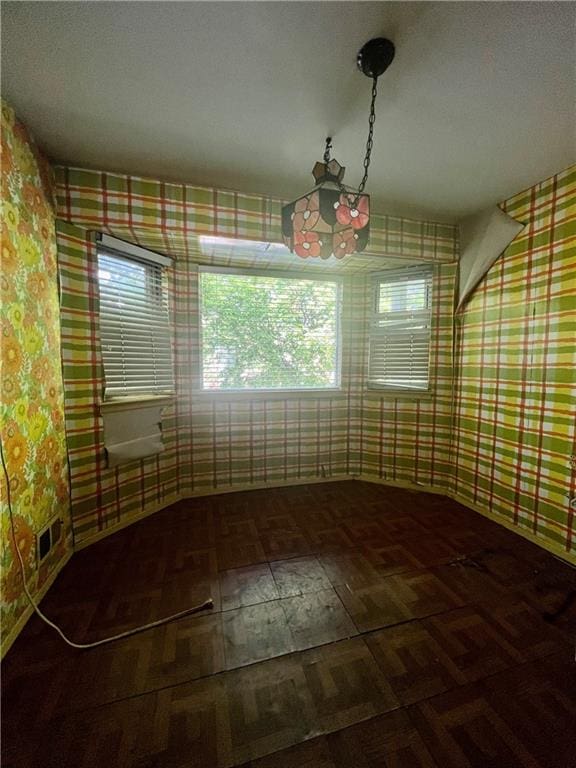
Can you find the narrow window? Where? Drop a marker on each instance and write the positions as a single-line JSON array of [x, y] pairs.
[[134, 326], [399, 356]]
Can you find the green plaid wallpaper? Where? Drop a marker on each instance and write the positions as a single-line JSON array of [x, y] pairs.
[[514, 419], [497, 432], [405, 438], [173, 213], [211, 444], [101, 497]]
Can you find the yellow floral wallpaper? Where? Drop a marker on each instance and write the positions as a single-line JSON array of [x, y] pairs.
[[32, 401]]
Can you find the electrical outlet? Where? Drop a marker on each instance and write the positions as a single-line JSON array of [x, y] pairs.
[[44, 544], [48, 537]]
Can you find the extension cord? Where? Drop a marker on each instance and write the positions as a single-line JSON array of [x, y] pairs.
[[207, 604]]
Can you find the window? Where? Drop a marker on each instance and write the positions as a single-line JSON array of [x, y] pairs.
[[262, 332], [134, 327], [400, 329]]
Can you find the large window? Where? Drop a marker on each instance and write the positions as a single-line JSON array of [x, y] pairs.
[[262, 332], [134, 327], [400, 329]]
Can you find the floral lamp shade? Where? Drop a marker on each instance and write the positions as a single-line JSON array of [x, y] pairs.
[[329, 220]]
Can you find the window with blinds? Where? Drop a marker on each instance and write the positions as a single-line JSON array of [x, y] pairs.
[[269, 332], [134, 327], [399, 355]]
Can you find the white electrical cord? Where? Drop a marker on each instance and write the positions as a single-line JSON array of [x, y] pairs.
[[195, 609]]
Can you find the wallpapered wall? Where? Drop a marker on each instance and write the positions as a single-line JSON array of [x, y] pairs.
[[515, 426], [211, 444], [512, 391], [32, 404], [406, 438]]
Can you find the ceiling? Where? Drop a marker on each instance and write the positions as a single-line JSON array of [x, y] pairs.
[[479, 103]]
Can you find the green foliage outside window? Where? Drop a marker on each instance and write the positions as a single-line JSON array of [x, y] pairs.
[[268, 332]]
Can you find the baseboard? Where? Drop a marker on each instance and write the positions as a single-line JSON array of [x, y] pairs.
[[103, 534], [406, 484], [83, 543], [8, 640], [269, 484], [549, 546]]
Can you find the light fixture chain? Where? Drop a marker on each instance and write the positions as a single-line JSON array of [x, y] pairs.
[[369, 144], [369, 141]]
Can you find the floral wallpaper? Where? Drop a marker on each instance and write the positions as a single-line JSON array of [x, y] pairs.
[[32, 401]]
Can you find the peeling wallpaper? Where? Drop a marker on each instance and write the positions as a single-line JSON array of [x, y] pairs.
[[515, 404], [32, 403]]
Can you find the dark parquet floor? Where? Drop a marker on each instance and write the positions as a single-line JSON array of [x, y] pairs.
[[355, 626]]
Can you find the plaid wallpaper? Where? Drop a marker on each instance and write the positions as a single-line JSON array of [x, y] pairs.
[[407, 438], [210, 444], [174, 213], [507, 451], [514, 421]]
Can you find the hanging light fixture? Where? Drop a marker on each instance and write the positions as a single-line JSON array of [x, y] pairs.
[[332, 219]]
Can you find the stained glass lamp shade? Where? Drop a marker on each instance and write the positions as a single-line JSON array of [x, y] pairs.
[[329, 220]]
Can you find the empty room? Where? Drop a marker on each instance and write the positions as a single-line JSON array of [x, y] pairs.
[[288, 368]]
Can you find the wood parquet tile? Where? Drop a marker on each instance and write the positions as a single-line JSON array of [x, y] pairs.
[[352, 568], [414, 662], [254, 633], [390, 558], [354, 626], [234, 552], [268, 708], [247, 586], [462, 728], [345, 685], [542, 709], [374, 607], [315, 753], [389, 740], [317, 618], [397, 598], [281, 545], [299, 576]]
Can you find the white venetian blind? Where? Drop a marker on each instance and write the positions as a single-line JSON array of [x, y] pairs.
[[400, 329], [134, 327], [263, 331]]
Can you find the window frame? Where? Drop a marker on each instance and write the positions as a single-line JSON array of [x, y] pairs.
[[157, 290], [377, 278], [278, 392]]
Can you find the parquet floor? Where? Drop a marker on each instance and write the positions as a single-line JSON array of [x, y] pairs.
[[355, 626]]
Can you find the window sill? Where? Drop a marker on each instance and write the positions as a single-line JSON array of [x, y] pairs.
[[131, 403], [408, 394], [266, 394]]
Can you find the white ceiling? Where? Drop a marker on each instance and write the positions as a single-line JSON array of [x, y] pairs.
[[478, 104]]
